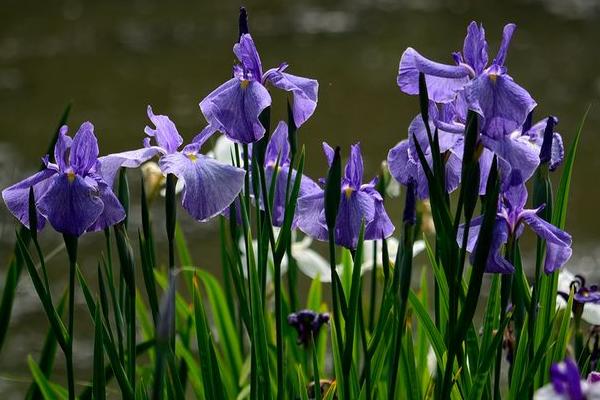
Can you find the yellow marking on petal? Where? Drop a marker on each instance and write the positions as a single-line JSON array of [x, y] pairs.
[[192, 157], [244, 84], [493, 77], [70, 176], [348, 191]]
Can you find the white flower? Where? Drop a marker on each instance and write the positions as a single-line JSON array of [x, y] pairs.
[[312, 264], [591, 311]]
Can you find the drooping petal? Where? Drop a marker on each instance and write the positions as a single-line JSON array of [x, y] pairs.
[[443, 81], [400, 163], [16, 197], [591, 314], [305, 93], [485, 164], [310, 216], [558, 242], [72, 204], [109, 165], [62, 148], [353, 209], [84, 149], [474, 228], [354, 167], [165, 132], [210, 186], [278, 146], [113, 211], [496, 262], [381, 226], [507, 33], [502, 103], [475, 47], [520, 154], [234, 108], [245, 51]]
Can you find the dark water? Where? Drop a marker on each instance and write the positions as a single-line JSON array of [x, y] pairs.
[[114, 58]]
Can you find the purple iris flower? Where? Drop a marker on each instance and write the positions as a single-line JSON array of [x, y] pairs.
[[489, 90], [358, 202], [278, 148], [403, 160], [307, 323], [566, 380], [70, 194], [509, 222], [209, 186], [234, 107]]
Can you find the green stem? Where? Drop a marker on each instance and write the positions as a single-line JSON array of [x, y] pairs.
[[71, 245]]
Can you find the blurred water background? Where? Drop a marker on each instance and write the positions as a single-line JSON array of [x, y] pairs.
[[113, 58]]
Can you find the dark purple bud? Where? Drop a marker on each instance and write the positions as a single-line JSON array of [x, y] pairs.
[[307, 323], [546, 151], [243, 22], [410, 209]]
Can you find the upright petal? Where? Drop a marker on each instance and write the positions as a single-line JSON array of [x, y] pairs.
[[354, 167], [443, 81], [304, 91], [329, 153], [165, 132], [516, 193], [354, 208], [234, 108], [112, 212], [16, 197], [62, 148], [475, 47], [109, 165], [278, 146], [507, 33], [502, 103], [558, 242], [536, 136], [210, 186], [204, 135], [84, 150], [246, 52], [72, 204]]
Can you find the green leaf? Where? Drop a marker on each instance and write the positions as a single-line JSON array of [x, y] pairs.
[[48, 353], [435, 338], [228, 335], [99, 381], [211, 375], [46, 388]]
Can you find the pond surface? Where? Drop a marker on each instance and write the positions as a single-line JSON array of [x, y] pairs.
[[114, 58]]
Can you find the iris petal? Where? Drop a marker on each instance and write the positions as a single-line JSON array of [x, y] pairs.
[[210, 186], [16, 196], [234, 108], [72, 204], [304, 91]]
